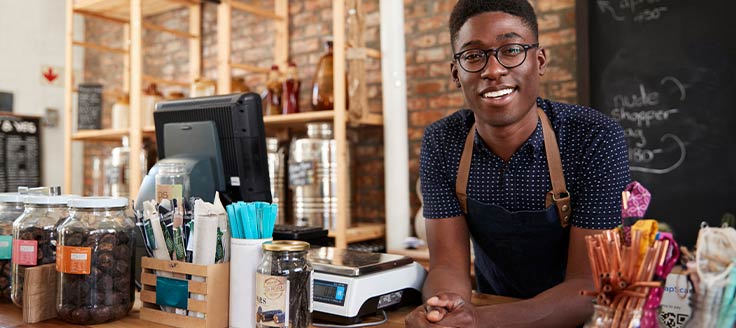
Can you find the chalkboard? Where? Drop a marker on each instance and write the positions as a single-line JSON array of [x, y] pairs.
[[665, 69], [20, 161], [89, 107]]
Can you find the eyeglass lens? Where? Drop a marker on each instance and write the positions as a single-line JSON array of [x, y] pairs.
[[510, 55]]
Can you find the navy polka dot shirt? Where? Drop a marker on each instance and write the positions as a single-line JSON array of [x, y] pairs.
[[594, 162]]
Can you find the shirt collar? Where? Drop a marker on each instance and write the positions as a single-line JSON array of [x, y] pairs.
[[535, 143]]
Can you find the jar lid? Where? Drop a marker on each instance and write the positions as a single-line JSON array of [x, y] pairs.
[[11, 197], [48, 200], [98, 202], [286, 245]]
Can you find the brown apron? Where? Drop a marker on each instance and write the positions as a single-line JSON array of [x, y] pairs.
[[523, 253]]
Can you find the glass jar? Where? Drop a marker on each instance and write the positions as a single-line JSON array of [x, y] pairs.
[[606, 317], [34, 237], [95, 261], [322, 88], [11, 207], [271, 97], [290, 91], [172, 182], [284, 285]]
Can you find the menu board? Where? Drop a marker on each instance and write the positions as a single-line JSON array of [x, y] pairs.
[[664, 70], [20, 162], [89, 107]]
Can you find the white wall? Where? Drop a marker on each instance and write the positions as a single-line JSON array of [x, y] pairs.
[[32, 35]]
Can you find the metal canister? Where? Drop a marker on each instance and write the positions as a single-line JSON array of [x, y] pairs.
[[276, 172], [313, 177]]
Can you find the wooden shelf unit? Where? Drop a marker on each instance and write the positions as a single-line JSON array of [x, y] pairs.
[[342, 233], [130, 14]]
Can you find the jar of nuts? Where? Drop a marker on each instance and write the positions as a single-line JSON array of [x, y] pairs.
[[34, 237], [95, 261], [11, 207]]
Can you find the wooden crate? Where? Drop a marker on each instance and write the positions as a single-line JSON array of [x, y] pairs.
[[215, 289]]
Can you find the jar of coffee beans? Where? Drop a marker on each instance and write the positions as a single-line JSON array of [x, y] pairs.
[[34, 237], [284, 285], [95, 261], [11, 207]]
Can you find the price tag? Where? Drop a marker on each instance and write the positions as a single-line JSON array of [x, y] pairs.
[[74, 260], [6, 247], [25, 252]]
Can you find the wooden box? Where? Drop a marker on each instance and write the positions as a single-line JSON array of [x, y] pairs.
[[215, 289]]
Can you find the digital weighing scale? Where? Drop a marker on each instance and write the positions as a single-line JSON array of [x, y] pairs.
[[349, 284]]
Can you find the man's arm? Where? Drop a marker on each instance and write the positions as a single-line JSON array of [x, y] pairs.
[[559, 306], [449, 260]]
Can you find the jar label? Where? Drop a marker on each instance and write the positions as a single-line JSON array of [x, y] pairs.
[[25, 252], [166, 191], [6, 247], [74, 260], [272, 300]]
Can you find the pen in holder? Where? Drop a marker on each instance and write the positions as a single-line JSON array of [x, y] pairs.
[[245, 256]]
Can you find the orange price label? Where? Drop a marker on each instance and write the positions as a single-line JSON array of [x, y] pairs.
[[74, 260]]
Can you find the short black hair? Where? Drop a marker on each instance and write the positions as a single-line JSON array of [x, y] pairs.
[[465, 9]]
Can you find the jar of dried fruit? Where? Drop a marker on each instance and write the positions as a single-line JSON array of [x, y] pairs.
[[11, 207], [95, 261], [34, 237]]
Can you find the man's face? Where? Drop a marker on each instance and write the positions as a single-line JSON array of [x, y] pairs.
[[497, 95]]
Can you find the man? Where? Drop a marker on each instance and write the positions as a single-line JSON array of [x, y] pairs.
[[493, 173]]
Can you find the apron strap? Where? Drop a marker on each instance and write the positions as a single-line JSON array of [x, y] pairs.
[[558, 195], [463, 171]]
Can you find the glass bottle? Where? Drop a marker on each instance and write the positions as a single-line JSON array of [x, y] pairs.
[[11, 207], [118, 170], [323, 96], [290, 97], [34, 237], [284, 285], [203, 88], [151, 95], [121, 112], [172, 182], [95, 261], [271, 97]]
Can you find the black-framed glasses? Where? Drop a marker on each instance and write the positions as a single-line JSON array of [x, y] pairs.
[[509, 55]]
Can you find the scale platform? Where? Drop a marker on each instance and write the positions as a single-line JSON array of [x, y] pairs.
[[350, 284]]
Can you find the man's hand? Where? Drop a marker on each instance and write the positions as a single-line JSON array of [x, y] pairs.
[[453, 311], [443, 310]]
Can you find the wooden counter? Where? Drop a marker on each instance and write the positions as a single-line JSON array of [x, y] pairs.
[[12, 316]]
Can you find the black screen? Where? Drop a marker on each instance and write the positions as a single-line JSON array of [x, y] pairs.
[[242, 137]]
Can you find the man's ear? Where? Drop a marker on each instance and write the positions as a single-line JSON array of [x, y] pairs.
[[453, 73], [542, 60]]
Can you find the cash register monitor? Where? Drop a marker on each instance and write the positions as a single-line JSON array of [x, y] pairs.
[[222, 140]]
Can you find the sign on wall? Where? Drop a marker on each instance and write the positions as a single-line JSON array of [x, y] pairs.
[[20, 161]]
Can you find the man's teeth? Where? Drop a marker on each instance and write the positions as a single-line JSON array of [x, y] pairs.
[[499, 93]]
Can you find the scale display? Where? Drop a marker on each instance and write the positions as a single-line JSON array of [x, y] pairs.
[[330, 292]]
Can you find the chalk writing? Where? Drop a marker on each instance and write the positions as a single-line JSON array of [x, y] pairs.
[[639, 110], [644, 156], [639, 11]]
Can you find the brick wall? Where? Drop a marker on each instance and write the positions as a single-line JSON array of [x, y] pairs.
[[431, 95]]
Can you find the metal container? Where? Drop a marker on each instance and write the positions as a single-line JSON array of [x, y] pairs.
[[313, 177], [276, 172]]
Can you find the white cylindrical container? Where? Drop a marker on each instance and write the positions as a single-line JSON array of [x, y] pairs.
[[245, 256]]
